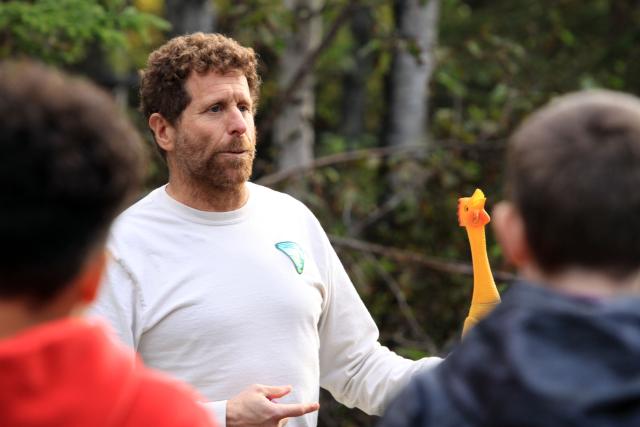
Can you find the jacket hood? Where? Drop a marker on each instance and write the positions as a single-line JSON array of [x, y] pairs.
[[65, 373], [551, 360]]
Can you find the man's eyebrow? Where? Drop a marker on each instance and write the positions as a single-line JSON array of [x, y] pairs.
[[215, 100], [225, 99], [206, 103], [242, 98]]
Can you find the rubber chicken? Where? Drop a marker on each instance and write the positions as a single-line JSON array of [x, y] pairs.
[[473, 217]]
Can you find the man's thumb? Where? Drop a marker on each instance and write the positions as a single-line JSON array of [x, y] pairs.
[[276, 391]]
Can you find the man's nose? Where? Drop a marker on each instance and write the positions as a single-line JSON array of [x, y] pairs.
[[237, 124]]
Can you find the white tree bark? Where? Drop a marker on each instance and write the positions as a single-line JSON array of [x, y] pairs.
[[189, 16], [413, 63], [293, 133]]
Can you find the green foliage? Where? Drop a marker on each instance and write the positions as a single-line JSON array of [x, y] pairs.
[[501, 59], [62, 31]]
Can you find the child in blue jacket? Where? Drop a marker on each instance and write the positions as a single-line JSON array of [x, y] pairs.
[[563, 348]]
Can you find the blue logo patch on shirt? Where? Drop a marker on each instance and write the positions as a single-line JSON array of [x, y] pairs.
[[294, 252]]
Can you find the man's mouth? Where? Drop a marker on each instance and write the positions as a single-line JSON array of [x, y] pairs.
[[236, 148], [233, 152]]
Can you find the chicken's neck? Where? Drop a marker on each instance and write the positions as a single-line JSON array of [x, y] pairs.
[[484, 288]]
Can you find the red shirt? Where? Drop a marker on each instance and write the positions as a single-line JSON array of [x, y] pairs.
[[70, 373]]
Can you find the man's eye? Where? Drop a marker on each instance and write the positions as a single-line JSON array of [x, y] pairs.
[[243, 108], [215, 108]]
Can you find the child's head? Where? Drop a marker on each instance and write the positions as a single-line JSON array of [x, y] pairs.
[[69, 161], [573, 178]]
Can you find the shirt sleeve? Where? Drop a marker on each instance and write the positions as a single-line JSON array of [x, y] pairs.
[[160, 401], [218, 410], [354, 367], [120, 302]]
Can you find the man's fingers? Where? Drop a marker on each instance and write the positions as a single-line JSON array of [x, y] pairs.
[[275, 391], [284, 410], [255, 406]]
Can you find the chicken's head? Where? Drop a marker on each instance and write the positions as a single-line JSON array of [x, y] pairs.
[[471, 211]]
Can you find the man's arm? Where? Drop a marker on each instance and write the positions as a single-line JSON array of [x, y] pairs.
[[354, 367]]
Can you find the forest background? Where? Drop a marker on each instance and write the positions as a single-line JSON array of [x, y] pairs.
[[378, 114]]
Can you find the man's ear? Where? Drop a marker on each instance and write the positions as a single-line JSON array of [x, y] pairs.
[[508, 226], [163, 131], [90, 277]]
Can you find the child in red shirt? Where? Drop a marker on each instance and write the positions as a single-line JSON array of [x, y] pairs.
[[69, 163]]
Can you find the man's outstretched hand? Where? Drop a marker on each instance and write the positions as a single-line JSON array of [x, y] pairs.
[[254, 407]]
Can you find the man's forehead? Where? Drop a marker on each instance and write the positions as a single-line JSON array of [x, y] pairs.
[[213, 77], [205, 87]]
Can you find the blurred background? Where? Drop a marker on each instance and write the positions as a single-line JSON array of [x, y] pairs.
[[378, 114]]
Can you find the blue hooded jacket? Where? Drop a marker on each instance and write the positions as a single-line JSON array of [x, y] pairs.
[[541, 359]]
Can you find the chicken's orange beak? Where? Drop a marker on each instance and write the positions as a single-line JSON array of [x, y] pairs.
[[477, 200]]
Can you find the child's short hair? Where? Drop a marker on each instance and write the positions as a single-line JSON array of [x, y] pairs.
[[68, 162], [573, 172]]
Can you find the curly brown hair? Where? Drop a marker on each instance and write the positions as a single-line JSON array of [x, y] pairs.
[[162, 89], [70, 162]]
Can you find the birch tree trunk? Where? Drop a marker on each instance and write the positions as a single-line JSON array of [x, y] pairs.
[[293, 133], [189, 16], [413, 63]]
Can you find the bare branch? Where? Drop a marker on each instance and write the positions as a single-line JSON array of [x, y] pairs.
[[405, 308], [410, 256], [376, 152], [388, 206], [344, 157], [379, 212]]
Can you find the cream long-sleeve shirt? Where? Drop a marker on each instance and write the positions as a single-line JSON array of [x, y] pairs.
[[223, 300]]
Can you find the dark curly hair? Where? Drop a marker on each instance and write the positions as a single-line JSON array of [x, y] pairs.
[[162, 87], [573, 171], [70, 161]]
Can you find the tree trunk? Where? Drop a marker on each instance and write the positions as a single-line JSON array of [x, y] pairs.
[[413, 63], [189, 16], [293, 133]]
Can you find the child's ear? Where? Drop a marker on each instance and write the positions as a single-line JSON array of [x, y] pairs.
[[90, 277], [509, 228]]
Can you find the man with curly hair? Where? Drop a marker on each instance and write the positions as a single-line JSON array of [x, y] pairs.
[[229, 285]]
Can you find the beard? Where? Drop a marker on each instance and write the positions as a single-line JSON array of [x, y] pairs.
[[217, 169]]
